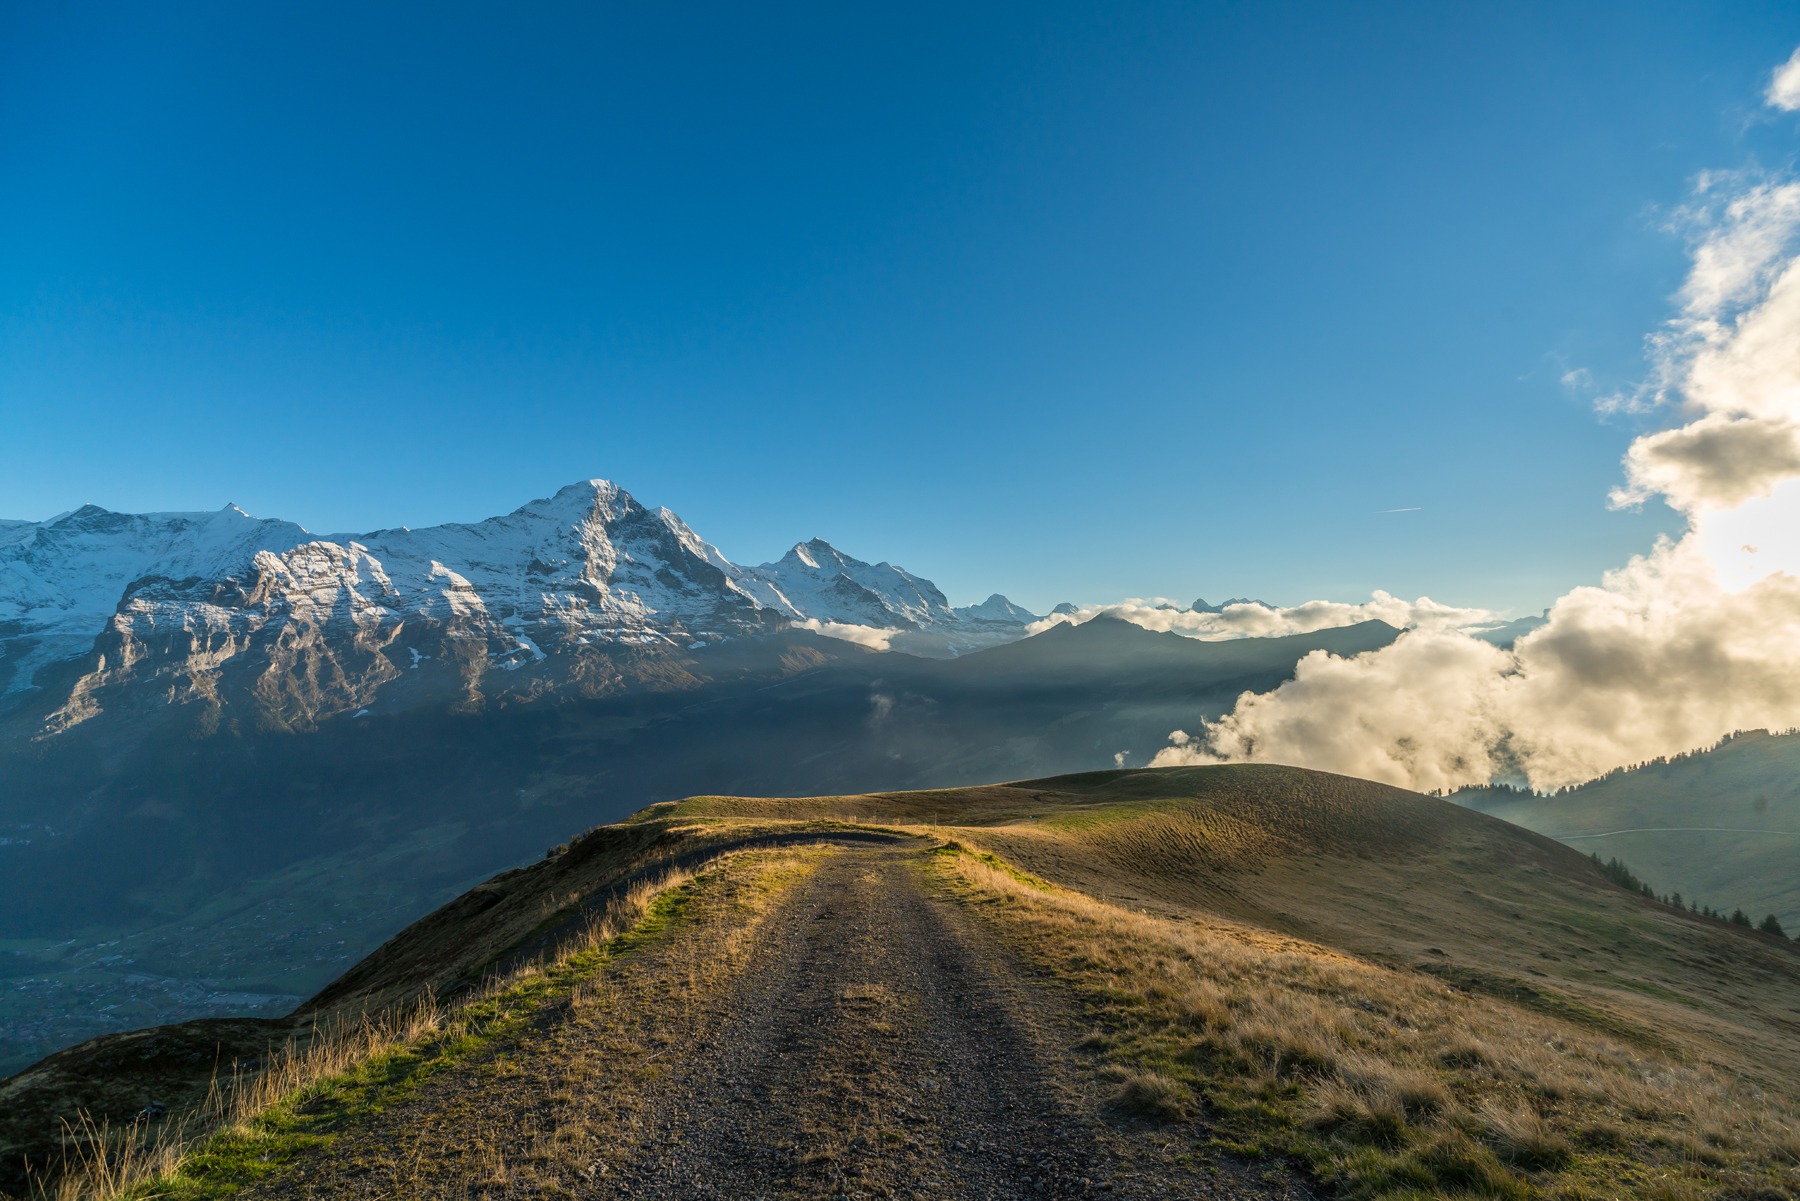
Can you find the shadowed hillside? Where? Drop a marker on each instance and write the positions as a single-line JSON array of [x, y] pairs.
[[1164, 982], [1721, 827]]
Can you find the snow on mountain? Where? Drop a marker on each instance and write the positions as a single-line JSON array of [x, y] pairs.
[[995, 610], [193, 607], [816, 580], [1200, 606], [61, 579], [589, 562]]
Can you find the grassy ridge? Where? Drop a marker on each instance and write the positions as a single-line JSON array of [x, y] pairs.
[[344, 1077], [1419, 1000]]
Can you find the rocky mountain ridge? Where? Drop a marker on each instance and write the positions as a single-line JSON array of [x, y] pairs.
[[586, 590]]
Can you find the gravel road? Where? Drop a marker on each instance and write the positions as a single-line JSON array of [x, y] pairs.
[[874, 1042]]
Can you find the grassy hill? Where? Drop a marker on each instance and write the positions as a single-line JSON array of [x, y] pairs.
[[1721, 826], [1255, 978]]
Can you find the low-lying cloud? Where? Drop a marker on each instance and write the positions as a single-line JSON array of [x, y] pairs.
[[874, 638], [1250, 619], [1659, 658], [1679, 647]]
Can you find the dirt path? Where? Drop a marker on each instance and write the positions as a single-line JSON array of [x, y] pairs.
[[871, 1041], [864, 1056]]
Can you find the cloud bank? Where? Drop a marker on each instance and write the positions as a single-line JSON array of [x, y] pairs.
[[1250, 619], [1679, 647]]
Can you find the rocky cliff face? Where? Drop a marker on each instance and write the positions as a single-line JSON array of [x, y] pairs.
[[226, 618]]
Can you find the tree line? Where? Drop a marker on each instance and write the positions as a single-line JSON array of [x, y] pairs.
[[1624, 877]]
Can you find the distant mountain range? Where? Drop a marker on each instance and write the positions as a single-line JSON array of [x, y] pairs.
[[204, 622], [261, 621]]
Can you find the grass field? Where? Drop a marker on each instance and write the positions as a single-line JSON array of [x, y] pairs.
[[1399, 996]]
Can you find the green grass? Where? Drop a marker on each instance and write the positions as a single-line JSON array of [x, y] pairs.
[[310, 1118], [955, 849]]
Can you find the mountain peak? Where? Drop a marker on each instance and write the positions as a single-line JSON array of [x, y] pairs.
[[1200, 606], [585, 567], [817, 580], [815, 553], [85, 515], [594, 486], [594, 493], [997, 608]]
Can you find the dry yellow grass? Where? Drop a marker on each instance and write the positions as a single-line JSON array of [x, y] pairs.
[[147, 1158], [1413, 1000], [1386, 1081], [1391, 951]]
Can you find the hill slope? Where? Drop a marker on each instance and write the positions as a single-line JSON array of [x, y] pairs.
[[1236, 981], [1721, 826]]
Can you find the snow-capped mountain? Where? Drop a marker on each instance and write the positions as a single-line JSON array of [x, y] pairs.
[[816, 580], [1200, 606], [62, 579], [587, 591], [996, 610]]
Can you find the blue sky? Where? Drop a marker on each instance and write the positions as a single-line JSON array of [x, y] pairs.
[[1069, 301]]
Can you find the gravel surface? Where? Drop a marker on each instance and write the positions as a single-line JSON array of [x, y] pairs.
[[873, 1040]]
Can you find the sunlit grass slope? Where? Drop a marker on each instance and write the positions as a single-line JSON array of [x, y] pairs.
[[1413, 998]]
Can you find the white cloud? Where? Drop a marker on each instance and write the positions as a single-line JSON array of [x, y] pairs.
[[1724, 349], [1251, 620], [1716, 462], [1784, 85], [1743, 228], [869, 636], [1405, 715], [1662, 657], [1672, 651], [881, 707]]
